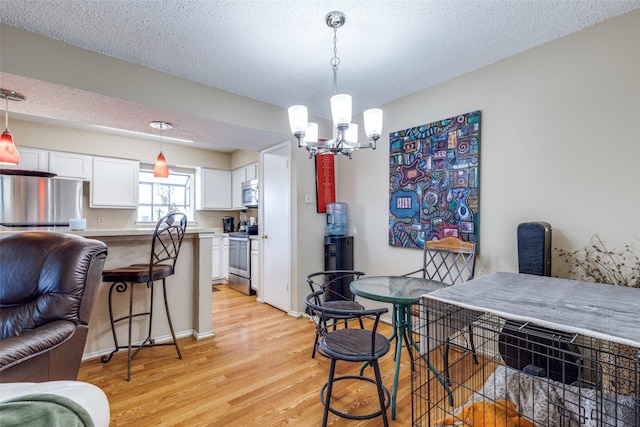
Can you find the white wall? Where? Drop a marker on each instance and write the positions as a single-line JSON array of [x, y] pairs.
[[559, 143]]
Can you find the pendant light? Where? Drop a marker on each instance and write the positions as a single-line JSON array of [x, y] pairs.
[[8, 150], [161, 169], [346, 133]]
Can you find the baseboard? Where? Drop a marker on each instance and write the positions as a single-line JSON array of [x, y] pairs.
[[161, 339]]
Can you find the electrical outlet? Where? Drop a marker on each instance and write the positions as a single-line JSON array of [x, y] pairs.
[[100, 220], [308, 198], [213, 220]]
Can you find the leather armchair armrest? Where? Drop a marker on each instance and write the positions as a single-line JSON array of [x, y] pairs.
[[31, 343]]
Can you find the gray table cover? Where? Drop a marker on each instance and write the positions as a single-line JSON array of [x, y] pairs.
[[601, 311]]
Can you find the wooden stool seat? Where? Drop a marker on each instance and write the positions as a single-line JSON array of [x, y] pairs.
[[138, 273]]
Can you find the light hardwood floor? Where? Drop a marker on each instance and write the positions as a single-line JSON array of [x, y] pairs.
[[256, 371]]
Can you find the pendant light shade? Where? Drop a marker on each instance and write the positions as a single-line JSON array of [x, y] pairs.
[[8, 151], [161, 169]]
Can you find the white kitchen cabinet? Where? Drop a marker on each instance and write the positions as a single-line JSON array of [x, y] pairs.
[[238, 176], [114, 183], [225, 258], [70, 165], [31, 159], [251, 171], [255, 264], [216, 258], [213, 189]]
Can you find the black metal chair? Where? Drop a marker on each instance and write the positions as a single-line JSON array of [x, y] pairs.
[[452, 261], [352, 345], [165, 247], [334, 285]]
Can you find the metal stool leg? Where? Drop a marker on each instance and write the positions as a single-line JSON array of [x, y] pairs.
[[120, 287], [327, 404], [383, 409], [129, 345], [166, 307]]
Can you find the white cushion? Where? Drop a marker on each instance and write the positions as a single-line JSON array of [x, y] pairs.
[[90, 397]]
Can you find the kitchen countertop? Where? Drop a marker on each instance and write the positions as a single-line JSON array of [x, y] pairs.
[[135, 231]]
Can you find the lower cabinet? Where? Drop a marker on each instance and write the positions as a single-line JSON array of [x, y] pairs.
[[216, 258], [225, 258], [255, 264]]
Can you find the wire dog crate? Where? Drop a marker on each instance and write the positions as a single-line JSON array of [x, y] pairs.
[[525, 372]]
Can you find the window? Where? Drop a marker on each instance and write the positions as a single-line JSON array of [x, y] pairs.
[[159, 196]]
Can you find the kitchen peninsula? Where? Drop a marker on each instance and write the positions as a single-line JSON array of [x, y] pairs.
[[189, 289]]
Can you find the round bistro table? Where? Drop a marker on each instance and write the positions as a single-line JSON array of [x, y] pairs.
[[401, 291]]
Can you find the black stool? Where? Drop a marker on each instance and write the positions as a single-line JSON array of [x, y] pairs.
[[165, 246], [352, 345], [330, 283]]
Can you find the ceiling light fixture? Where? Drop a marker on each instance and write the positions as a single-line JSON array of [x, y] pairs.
[[346, 135], [143, 134], [8, 150], [161, 169]]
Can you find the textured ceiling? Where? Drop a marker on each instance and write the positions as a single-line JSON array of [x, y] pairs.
[[278, 52]]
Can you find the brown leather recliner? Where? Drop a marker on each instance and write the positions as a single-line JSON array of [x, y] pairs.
[[48, 285]]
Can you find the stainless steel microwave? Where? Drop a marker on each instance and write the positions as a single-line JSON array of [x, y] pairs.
[[250, 193]]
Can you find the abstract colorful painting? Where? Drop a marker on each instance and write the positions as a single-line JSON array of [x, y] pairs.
[[433, 181]]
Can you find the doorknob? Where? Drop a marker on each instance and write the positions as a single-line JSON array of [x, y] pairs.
[[264, 236]]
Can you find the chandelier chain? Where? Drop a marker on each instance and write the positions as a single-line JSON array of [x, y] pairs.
[[335, 61]]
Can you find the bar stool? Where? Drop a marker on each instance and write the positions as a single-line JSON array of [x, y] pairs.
[[165, 246], [352, 345]]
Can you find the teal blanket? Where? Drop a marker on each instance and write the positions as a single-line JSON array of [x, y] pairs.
[[46, 410]]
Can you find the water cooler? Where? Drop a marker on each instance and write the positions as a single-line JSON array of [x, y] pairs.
[[338, 248]]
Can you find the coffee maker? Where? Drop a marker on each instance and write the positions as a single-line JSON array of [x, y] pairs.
[[227, 224]]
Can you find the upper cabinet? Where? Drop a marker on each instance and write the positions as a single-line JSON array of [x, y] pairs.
[[64, 165], [70, 165], [238, 176], [213, 189], [31, 159], [251, 171], [114, 183]]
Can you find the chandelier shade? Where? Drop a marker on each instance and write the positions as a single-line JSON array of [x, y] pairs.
[[8, 151], [341, 109], [298, 118], [311, 134], [373, 122], [345, 138]]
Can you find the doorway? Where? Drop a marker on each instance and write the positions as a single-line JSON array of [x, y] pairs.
[[276, 226]]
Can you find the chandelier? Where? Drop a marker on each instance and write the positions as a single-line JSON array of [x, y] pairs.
[[345, 139], [8, 151], [161, 169]]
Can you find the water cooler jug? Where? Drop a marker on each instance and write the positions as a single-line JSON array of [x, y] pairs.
[[337, 219], [338, 255]]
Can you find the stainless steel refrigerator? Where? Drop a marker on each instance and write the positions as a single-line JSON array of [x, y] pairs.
[[33, 199]]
